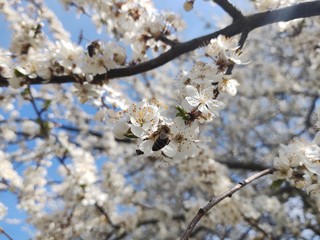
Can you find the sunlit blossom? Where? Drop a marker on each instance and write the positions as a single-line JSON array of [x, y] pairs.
[[183, 140], [203, 100], [229, 86], [143, 117]]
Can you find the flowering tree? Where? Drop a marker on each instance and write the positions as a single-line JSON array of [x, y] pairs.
[[141, 137]]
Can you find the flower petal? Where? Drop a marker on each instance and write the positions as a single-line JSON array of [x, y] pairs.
[[170, 150], [146, 147], [192, 101]]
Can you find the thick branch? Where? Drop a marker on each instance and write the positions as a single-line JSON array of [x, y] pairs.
[[215, 201], [245, 24]]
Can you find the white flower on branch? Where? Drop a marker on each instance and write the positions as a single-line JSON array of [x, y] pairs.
[[143, 117], [229, 86], [222, 44], [8, 174], [86, 90], [203, 100], [5, 64], [69, 56], [184, 138], [121, 129], [312, 153]]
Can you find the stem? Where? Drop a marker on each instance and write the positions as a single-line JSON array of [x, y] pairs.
[[216, 200], [6, 234]]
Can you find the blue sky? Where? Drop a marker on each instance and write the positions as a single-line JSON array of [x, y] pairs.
[[74, 25]]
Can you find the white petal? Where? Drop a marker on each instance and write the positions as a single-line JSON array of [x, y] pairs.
[[120, 129], [203, 108], [178, 125], [313, 152], [134, 122], [170, 150], [192, 101], [137, 131], [317, 139], [146, 147], [281, 163], [313, 166], [192, 91], [180, 156], [214, 105], [189, 149], [232, 90], [191, 132]]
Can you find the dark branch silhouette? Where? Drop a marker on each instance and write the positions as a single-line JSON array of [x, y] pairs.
[[244, 24]]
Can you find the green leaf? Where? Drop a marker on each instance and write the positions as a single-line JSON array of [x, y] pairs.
[[130, 135], [46, 105], [25, 92], [44, 127], [17, 73], [276, 184], [181, 112]]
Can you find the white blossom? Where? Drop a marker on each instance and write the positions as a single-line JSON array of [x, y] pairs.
[[312, 153], [229, 86], [203, 100], [183, 140], [121, 129], [143, 117], [86, 90]]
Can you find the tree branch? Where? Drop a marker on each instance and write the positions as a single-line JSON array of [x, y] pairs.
[[101, 210], [6, 234], [166, 40], [215, 201], [229, 8], [234, 164], [255, 224], [245, 24]]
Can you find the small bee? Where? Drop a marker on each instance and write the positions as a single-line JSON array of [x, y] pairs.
[[163, 138], [93, 48]]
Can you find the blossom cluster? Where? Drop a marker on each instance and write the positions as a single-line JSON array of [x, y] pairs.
[[137, 23], [173, 132], [42, 50], [299, 163], [33, 54]]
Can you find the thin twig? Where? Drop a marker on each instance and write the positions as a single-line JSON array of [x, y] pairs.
[[242, 40], [40, 121], [314, 101], [6, 234], [101, 210], [216, 200], [255, 224]]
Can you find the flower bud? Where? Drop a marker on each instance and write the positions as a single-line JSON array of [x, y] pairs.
[[188, 6]]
